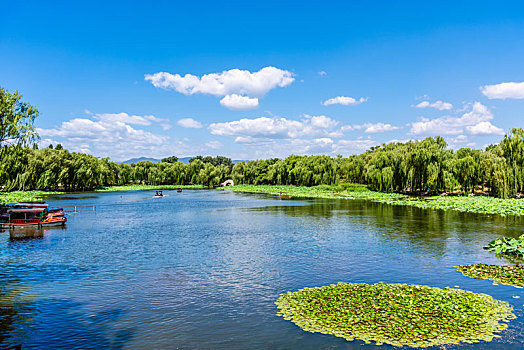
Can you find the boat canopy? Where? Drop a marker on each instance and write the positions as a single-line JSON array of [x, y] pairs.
[[26, 210]]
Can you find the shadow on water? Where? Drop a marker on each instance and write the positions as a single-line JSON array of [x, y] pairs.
[[16, 308], [60, 323], [423, 228]]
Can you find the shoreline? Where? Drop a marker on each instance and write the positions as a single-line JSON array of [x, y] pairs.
[[479, 205]]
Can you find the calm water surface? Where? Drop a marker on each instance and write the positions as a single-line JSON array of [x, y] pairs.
[[202, 269]]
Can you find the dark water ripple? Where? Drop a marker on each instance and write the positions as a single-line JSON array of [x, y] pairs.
[[202, 269]]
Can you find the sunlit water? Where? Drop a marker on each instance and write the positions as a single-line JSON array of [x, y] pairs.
[[203, 269]]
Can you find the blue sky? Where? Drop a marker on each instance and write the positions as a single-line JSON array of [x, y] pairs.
[[264, 79]]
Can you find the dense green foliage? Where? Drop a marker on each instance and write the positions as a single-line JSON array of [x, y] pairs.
[[48, 168], [147, 187], [507, 246], [16, 119], [425, 166], [411, 167], [510, 275], [396, 314]]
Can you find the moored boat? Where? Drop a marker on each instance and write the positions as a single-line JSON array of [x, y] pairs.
[[31, 214]]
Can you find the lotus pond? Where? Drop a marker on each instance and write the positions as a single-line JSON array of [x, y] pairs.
[[203, 269], [396, 314]]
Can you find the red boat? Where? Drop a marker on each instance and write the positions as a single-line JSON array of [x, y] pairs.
[[36, 214]]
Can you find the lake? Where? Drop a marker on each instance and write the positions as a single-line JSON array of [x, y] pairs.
[[203, 269]]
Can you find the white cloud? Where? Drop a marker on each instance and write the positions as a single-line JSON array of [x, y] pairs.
[[473, 122], [345, 147], [239, 103], [275, 127], [440, 105], [322, 73], [189, 123], [379, 127], [213, 144], [130, 119], [234, 81], [504, 90], [484, 128], [107, 137], [344, 100], [459, 139]]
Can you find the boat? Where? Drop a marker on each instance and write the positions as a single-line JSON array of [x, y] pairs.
[[31, 214], [179, 190], [158, 194]]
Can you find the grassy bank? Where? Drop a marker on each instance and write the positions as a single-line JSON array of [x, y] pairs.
[[147, 187], [483, 205], [20, 196]]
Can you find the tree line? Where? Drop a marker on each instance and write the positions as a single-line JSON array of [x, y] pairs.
[[413, 167]]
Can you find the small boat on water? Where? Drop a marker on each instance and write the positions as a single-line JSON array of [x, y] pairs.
[[179, 190], [31, 214], [158, 194]]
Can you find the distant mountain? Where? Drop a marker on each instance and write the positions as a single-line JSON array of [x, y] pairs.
[[136, 160], [184, 160]]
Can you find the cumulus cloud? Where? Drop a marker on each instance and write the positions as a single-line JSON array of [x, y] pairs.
[[322, 73], [233, 81], [275, 127], [189, 123], [474, 122], [484, 128], [504, 90], [239, 103], [440, 105], [107, 137], [130, 119], [379, 127], [344, 100]]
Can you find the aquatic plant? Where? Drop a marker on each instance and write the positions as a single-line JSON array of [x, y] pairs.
[[20, 196], [509, 275], [507, 246], [481, 205], [396, 314], [146, 187]]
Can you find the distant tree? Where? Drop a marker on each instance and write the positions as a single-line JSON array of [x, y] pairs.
[[16, 120], [59, 147], [172, 159], [216, 161], [50, 146]]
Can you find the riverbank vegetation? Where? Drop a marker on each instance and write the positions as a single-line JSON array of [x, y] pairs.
[[21, 196], [147, 187], [510, 275], [481, 205], [396, 314], [415, 167]]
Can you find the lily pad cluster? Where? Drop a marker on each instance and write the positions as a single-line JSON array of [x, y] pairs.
[[396, 314], [510, 275], [507, 246], [482, 205]]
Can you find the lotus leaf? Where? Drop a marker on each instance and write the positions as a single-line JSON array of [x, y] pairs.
[[396, 314]]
